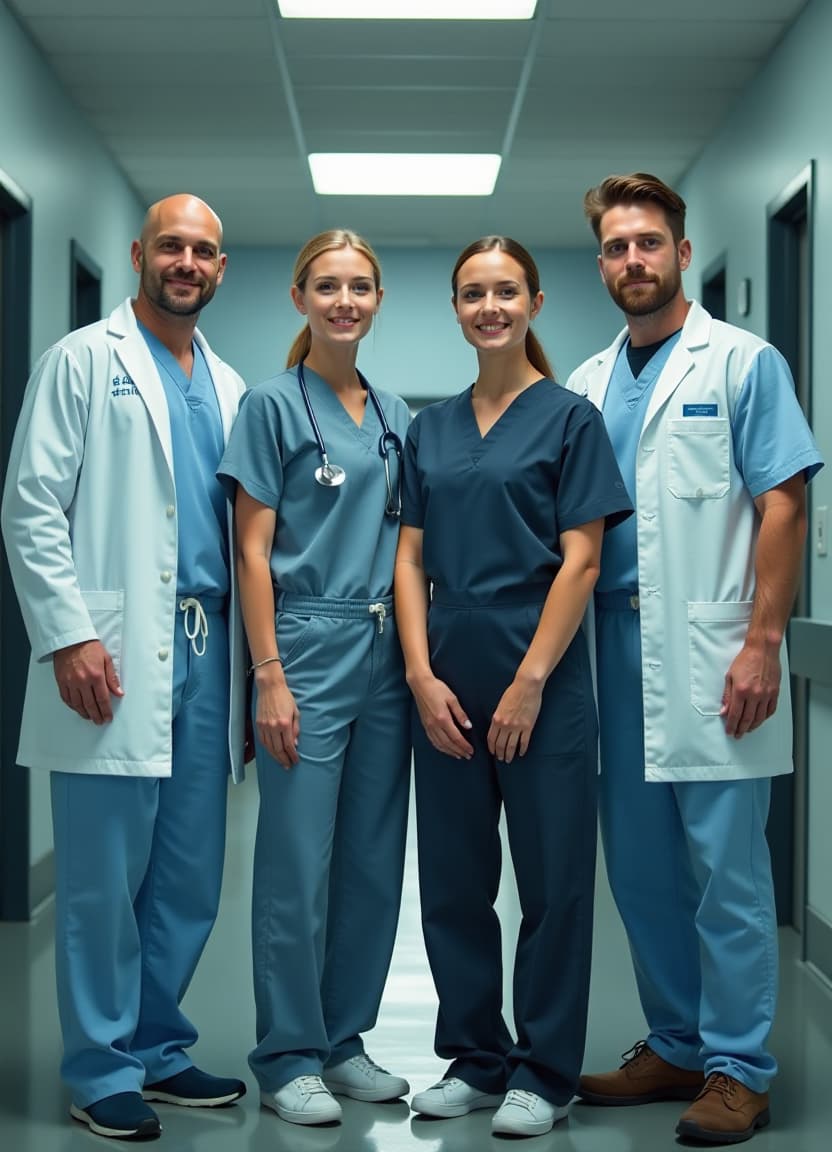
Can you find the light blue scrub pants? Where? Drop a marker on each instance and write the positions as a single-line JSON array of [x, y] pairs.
[[690, 872], [138, 863], [329, 853]]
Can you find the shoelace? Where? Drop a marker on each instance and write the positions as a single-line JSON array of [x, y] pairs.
[[450, 1082], [366, 1065], [635, 1053], [309, 1085], [719, 1082], [520, 1098], [196, 624]]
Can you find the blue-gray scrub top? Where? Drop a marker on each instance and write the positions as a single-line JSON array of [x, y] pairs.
[[493, 507], [334, 542]]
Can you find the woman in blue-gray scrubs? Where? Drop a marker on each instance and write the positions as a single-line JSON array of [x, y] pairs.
[[313, 464], [507, 490]]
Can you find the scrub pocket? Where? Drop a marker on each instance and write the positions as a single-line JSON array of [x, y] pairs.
[[716, 633], [292, 633], [698, 464], [106, 611]]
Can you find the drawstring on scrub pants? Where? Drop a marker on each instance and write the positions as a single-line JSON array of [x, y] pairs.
[[195, 624]]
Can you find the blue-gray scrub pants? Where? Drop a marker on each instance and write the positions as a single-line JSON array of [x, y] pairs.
[[329, 853], [689, 868], [138, 872], [550, 805]]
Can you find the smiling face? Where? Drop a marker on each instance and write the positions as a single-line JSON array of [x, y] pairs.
[[640, 262], [178, 257], [492, 302], [339, 297]]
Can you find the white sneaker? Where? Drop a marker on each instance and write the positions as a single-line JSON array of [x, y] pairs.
[[304, 1100], [362, 1079], [526, 1114], [453, 1097]]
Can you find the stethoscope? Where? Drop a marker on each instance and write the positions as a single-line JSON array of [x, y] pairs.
[[332, 475]]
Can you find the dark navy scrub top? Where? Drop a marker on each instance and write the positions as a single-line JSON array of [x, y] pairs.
[[493, 507]]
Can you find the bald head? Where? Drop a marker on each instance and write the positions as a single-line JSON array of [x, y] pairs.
[[178, 259], [181, 208]]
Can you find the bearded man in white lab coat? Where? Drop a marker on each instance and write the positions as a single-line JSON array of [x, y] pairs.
[[119, 544], [690, 614]]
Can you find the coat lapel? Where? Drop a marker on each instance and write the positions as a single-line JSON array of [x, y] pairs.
[[696, 333], [135, 356]]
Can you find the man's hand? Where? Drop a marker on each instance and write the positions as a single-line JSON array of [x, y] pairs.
[[752, 686], [86, 679]]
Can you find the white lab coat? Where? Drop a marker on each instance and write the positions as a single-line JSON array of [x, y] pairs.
[[697, 528], [90, 523]]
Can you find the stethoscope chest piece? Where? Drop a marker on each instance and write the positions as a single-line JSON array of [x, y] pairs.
[[333, 475], [330, 475]]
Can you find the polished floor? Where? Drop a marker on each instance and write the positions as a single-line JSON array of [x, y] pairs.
[[33, 1105]]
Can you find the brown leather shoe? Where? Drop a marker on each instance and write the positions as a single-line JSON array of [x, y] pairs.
[[641, 1079], [724, 1112]]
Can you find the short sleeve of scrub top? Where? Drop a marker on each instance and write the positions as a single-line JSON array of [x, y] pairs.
[[493, 507], [334, 542], [772, 440]]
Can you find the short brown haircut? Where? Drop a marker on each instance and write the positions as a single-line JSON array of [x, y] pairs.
[[637, 188]]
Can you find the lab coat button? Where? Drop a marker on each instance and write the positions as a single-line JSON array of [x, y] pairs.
[[165, 577], [163, 653], [169, 511]]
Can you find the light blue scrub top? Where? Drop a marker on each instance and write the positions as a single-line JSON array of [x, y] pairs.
[[196, 434], [333, 542], [625, 406], [771, 441]]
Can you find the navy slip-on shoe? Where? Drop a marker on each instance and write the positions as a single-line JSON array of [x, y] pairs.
[[124, 1116], [193, 1088]]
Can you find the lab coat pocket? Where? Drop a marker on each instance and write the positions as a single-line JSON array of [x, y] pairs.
[[106, 611], [716, 633], [698, 460]]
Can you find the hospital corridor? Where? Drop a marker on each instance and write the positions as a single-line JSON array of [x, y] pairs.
[[34, 1107]]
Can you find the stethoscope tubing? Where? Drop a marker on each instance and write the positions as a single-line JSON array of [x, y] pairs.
[[388, 440]]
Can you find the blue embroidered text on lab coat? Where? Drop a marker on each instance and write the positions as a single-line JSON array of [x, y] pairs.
[[123, 386]]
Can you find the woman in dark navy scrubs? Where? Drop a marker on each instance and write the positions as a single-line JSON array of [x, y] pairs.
[[507, 490]]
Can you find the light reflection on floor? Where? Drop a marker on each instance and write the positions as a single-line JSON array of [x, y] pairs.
[[33, 1105]]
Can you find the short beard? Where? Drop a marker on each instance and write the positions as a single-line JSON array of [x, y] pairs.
[[653, 300], [177, 307]]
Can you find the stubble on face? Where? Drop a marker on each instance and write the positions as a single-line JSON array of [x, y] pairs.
[[643, 293], [168, 286], [173, 300]]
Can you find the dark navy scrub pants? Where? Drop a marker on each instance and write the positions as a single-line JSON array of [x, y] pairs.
[[550, 800]]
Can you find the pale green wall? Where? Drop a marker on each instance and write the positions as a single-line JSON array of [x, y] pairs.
[[778, 126], [76, 190], [416, 349]]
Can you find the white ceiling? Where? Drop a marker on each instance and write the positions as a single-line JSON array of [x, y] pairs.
[[225, 98]]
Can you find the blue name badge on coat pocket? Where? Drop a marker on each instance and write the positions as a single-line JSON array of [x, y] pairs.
[[699, 410]]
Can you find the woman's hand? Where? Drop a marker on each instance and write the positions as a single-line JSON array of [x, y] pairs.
[[277, 718], [514, 719], [443, 717]]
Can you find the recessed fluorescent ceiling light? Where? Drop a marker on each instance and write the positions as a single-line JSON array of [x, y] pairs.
[[407, 9], [403, 174]]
